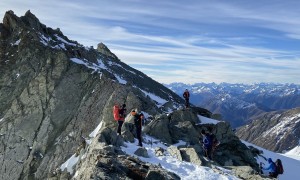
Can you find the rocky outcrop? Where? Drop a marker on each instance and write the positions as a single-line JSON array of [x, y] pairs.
[[102, 48], [179, 125], [184, 125], [104, 159], [277, 131]]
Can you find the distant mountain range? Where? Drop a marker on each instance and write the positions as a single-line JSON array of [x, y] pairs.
[[277, 131], [241, 103]]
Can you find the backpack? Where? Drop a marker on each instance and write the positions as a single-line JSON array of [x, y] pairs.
[[116, 114], [186, 94], [279, 167], [122, 113]]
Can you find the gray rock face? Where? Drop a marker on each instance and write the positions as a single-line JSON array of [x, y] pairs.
[[107, 161], [277, 131], [190, 155], [182, 125], [48, 102], [175, 152], [179, 125], [246, 172], [156, 174]]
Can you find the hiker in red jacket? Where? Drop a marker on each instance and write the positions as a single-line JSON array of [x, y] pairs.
[[122, 114], [186, 96]]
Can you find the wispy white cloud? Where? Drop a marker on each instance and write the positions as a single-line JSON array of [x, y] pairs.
[[194, 41]]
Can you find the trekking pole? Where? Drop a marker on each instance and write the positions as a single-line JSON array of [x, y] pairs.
[[152, 125]]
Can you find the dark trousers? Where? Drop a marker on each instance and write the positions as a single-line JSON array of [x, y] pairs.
[[139, 134], [274, 175], [120, 123], [207, 152], [187, 102]]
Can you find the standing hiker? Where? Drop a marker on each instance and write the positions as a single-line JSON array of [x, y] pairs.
[[207, 144], [214, 141], [119, 115], [138, 119], [122, 113], [186, 96]]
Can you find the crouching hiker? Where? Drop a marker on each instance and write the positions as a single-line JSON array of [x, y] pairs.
[[271, 168], [207, 144]]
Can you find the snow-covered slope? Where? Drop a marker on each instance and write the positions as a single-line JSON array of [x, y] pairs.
[[294, 153], [291, 166], [185, 170]]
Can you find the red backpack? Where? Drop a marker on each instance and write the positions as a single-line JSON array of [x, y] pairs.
[[116, 114]]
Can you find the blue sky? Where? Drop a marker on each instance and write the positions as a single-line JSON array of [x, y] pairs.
[[184, 41]]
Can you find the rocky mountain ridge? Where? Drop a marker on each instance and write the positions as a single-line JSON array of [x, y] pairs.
[[54, 90], [56, 99]]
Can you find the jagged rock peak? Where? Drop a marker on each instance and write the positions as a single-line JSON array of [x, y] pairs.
[[10, 20], [102, 48], [32, 20]]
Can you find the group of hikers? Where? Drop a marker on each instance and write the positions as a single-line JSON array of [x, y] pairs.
[[119, 113], [208, 140]]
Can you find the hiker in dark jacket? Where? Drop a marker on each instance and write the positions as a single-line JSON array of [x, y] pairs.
[[271, 168], [138, 120], [122, 114], [207, 144], [186, 96], [214, 141]]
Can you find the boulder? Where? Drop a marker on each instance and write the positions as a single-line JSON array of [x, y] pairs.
[[175, 152], [190, 155], [179, 125], [159, 128], [142, 152], [246, 172], [110, 137]]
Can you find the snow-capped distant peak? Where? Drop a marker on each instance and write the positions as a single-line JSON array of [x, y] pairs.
[[294, 153]]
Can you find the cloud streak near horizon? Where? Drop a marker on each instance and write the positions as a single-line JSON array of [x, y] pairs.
[[190, 42]]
